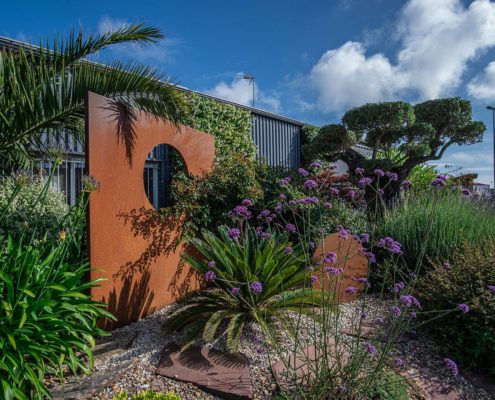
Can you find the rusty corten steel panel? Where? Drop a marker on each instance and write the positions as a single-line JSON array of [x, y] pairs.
[[350, 258], [130, 244]]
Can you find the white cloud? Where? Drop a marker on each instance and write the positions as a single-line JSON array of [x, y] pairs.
[[241, 91], [482, 86], [437, 38], [163, 51]]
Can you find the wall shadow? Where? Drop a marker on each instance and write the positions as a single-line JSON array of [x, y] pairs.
[[131, 303]]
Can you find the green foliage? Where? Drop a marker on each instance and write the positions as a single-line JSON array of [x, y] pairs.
[[28, 208], [238, 264], [419, 133], [383, 123], [467, 338], [230, 125], [442, 217], [205, 201], [421, 177], [43, 90], [147, 395], [331, 139], [47, 321], [389, 386]]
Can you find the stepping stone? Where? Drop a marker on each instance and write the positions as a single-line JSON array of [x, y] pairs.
[[223, 374], [430, 387], [480, 381], [302, 365]]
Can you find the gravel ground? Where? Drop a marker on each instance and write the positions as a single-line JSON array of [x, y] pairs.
[[419, 355]]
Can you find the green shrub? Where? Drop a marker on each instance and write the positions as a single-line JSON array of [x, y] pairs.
[[230, 125], [205, 201], [468, 338], [439, 220], [27, 207], [255, 280], [389, 386], [147, 395]]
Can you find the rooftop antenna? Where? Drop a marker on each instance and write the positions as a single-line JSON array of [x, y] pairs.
[[249, 78]]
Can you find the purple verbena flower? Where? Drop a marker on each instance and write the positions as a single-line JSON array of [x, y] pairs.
[[278, 208], [409, 301], [242, 212], [466, 192], [234, 233], [315, 164], [369, 348], [334, 191], [302, 172], [463, 307], [314, 279], [491, 288], [392, 176], [343, 233], [284, 181], [256, 287], [211, 264], [390, 244], [398, 287], [414, 315], [365, 182], [380, 320], [282, 196], [310, 268], [446, 265], [210, 276], [327, 205], [370, 256], [351, 194], [440, 180], [399, 362], [235, 291], [291, 228], [351, 290], [452, 366], [330, 257], [311, 184], [395, 311], [406, 184], [288, 250], [379, 172], [247, 202], [359, 171]]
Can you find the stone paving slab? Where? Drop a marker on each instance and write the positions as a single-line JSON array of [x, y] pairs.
[[224, 374]]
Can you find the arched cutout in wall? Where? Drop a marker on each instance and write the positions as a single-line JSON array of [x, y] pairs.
[[162, 166]]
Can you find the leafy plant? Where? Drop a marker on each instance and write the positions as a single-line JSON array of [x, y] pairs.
[[43, 90], [253, 278], [389, 386], [147, 395], [441, 216], [20, 197], [468, 278]]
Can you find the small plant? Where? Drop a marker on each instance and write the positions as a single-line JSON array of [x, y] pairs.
[[389, 386], [147, 395], [442, 218], [31, 207], [47, 318], [466, 279], [253, 280]]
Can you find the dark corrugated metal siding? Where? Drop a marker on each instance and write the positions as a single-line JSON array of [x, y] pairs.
[[278, 142]]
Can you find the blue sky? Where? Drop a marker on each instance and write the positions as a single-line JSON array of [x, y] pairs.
[[312, 60]]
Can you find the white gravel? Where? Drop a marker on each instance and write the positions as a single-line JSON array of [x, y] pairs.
[[419, 354]]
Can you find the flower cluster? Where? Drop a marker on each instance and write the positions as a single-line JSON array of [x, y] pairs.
[[390, 244], [440, 180]]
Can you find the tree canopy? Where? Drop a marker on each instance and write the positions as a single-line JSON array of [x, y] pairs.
[[401, 135]]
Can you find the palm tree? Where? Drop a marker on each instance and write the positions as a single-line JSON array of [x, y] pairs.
[[42, 90]]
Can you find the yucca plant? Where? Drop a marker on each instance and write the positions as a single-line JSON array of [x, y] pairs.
[[253, 278], [43, 89]]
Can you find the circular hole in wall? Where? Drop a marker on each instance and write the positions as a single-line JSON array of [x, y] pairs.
[[162, 167]]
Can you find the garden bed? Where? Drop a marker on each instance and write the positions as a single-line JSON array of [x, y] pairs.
[[422, 365]]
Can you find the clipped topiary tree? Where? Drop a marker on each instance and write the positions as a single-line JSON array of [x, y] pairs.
[[421, 133]]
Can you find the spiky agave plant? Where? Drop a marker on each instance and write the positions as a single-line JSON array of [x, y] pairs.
[[254, 279]]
